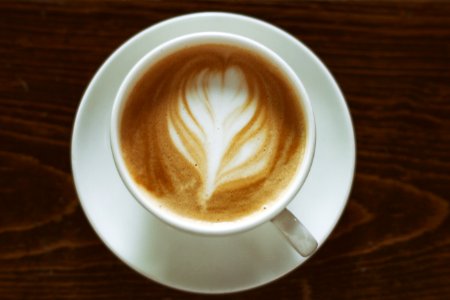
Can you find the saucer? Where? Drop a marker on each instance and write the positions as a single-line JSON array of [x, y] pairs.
[[197, 263]]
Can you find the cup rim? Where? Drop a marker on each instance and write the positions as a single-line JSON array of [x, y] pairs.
[[174, 219]]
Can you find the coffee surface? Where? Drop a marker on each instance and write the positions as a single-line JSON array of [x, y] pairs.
[[213, 132]]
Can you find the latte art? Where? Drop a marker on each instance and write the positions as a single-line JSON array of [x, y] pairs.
[[213, 132], [219, 125]]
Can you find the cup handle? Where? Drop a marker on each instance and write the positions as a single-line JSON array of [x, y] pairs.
[[295, 232]]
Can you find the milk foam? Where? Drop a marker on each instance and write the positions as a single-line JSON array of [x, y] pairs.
[[213, 133]]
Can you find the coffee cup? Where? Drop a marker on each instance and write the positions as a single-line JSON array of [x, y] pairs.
[[214, 134]]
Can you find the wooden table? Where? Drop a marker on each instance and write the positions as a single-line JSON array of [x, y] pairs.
[[392, 61]]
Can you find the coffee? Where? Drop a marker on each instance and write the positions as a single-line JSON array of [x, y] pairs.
[[213, 132]]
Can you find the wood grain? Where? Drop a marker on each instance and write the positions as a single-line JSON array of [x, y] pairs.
[[392, 61]]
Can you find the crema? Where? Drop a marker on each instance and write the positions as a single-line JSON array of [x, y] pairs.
[[213, 132]]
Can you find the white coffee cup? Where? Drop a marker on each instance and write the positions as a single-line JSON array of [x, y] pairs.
[[292, 229]]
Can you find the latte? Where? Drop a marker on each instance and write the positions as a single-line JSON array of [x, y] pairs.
[[213, 132]]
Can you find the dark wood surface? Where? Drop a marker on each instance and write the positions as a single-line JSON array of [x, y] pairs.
[[392, 61]]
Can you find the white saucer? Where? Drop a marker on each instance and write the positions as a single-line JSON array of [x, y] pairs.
[[195, 263]]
